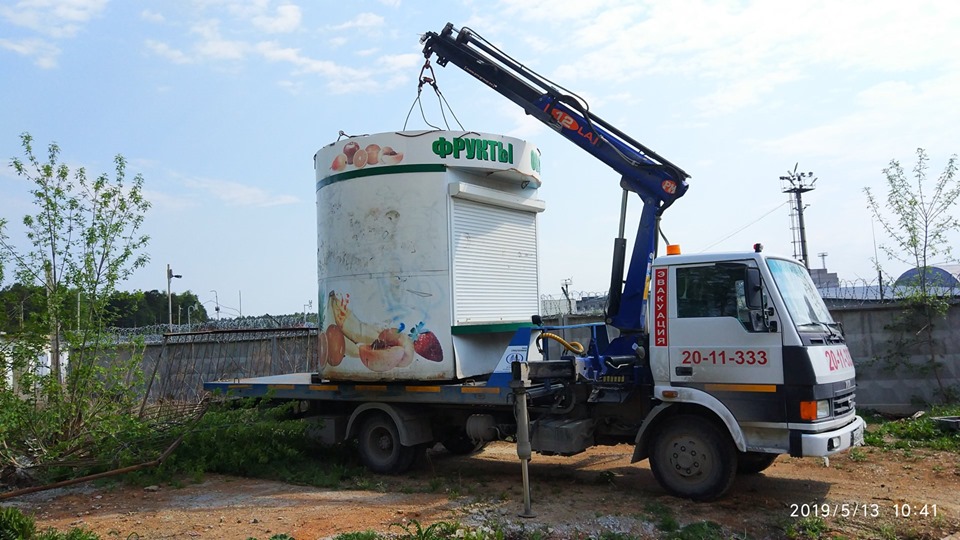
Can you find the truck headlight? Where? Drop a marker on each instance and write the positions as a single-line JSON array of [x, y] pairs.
[[814, 410]]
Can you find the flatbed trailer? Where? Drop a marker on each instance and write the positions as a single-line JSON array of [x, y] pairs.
[[301, 386]]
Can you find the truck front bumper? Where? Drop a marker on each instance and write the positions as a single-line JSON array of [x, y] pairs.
[[828, 442]]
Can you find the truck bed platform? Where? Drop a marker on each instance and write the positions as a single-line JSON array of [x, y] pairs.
[[301, 386]]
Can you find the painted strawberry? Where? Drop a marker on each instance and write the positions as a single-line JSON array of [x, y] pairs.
[[426, 344]]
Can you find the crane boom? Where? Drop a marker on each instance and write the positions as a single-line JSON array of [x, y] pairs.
[[655, 180]]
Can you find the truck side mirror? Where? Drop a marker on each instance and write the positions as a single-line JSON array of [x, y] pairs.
[[752, 288]]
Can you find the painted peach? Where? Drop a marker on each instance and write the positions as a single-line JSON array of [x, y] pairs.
[[390, 156], [373, 154]]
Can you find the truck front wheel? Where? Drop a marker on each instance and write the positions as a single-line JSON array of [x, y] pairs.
[[693, 458], [380, 448]]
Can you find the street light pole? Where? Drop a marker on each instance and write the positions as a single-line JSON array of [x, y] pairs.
[[170, 276], [308, 305], [216, 300]]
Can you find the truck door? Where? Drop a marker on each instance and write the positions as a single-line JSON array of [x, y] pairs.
[[716, 343]]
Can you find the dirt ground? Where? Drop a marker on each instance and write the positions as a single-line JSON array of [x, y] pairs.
[[884, 494]]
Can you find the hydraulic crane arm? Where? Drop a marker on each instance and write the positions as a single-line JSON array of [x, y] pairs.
[[657, 181]]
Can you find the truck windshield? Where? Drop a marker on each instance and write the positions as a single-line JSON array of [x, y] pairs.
[[799, 293]]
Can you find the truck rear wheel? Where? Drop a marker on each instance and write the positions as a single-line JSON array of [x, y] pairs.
[[693, 458], [380, 448], [754, 462]]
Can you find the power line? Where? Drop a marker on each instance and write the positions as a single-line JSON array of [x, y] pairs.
[[772, 210]]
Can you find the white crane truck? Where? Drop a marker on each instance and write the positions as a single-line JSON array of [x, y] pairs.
[[720, 363]]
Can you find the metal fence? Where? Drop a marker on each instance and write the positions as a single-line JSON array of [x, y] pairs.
[[155, 333], [573, 303], [177, 368]]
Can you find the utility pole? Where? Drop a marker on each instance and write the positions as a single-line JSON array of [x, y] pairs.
[[796, 184], [216, 300], [565, 287], [170, 276]]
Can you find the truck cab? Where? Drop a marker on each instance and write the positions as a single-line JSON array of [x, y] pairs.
[[745, 340]]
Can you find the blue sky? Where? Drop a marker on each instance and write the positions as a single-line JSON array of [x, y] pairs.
[[221, 104]]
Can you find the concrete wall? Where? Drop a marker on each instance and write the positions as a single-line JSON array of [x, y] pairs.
[[901, 390]]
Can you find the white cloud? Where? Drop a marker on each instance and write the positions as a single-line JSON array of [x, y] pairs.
[[293, 87], [885, 119], [57, 19], [152, 16], [44, 54], [746, 51], [166, 51], [236, 194], [213, 46], [286, 19], [341, 79], [399, 62], [161, 201], [363, 21]]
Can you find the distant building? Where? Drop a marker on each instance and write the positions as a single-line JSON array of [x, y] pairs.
[[824, 279], [592, 304], [938, 275]]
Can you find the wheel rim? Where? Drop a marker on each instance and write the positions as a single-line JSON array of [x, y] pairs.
[[687, 458], [381, 443]]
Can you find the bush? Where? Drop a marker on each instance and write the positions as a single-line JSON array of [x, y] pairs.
[[920, 432], [254, 438], [14, 525]]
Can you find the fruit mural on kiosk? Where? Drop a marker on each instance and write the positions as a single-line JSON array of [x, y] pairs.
[[352, 155], [379, 349]]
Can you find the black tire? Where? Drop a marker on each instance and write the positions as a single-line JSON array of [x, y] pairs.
[[460, 444], [754, 462], [380, 448], [412, 457], [693, 458]]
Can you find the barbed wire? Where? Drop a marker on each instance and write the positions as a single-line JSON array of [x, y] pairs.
[[154, 333], [573, 303], [842, 293]]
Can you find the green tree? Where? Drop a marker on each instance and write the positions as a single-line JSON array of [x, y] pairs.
[[82, 241], [917, 215]]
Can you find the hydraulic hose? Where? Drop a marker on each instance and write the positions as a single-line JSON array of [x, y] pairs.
[[574, 347]]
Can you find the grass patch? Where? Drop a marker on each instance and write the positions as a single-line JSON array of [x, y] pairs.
[[702, 530], [363, 535], [858, 455], [254, 439], [662, 515], [811, 528], [910, 433]]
